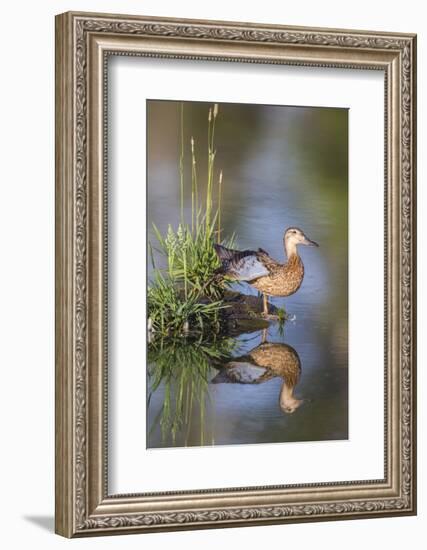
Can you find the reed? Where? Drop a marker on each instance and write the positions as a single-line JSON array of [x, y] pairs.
[[188, 295], [182, 367], [181, 164]]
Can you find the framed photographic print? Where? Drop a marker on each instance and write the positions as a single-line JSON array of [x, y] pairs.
[[235, 274]]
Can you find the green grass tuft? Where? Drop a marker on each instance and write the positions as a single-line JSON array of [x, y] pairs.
[[183, 367], [188, 294]]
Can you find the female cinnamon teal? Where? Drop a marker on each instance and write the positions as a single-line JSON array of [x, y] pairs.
[[263, 272]]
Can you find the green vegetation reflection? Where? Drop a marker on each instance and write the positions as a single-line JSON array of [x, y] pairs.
[[182, 366]]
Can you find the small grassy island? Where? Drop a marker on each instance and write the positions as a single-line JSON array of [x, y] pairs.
[[188, 297]]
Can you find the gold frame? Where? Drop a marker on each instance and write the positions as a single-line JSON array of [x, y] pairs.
[[83, 43]]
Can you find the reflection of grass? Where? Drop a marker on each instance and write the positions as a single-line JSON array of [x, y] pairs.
[[188, 295], [282, 318], [182, 366]]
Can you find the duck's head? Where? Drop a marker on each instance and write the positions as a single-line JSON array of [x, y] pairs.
[[293, 237], [288, 403]]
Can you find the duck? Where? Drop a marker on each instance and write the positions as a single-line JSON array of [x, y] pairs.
[[264, 362], [261, 271]]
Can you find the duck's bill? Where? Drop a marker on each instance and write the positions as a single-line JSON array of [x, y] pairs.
[[309, 242]]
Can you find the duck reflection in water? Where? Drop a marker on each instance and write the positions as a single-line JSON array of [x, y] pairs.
[[262, 363]]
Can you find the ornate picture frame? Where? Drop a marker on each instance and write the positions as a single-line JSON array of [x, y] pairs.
[[84, 42]]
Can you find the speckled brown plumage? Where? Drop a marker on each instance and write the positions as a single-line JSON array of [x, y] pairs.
[[279, 360], [283, 279], [266, 361], [267, 275], [275, 359]]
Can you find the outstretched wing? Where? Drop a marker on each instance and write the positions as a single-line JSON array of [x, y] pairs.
[[225, 253], [240, 373], [267, 260], [249, 268], [243, 265]]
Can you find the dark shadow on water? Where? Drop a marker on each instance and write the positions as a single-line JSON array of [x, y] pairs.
[[44, 522]]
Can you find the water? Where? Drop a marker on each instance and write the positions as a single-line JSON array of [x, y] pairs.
[[283, 166]]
